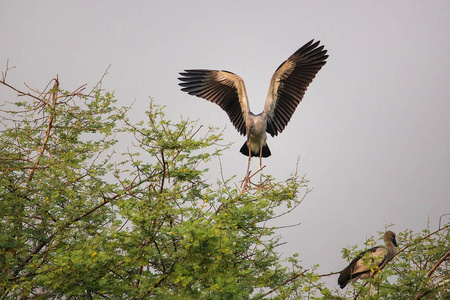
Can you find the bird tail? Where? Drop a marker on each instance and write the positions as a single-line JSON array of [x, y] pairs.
[[265, 151], [344, 278]]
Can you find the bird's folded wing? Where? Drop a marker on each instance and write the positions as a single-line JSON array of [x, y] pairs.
[[372, 259]]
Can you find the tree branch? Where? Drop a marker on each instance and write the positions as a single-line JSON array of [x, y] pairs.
[[49, 128], [436, 265], [285, 282]]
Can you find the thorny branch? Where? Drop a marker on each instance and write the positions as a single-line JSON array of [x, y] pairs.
[[49, 127], [97, 86], [292, 278], [420, 295], [51, 103]]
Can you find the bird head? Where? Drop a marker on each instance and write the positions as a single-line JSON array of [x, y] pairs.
[[389, 236]]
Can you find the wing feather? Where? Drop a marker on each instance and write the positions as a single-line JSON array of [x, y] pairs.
[[224, 88], [289, 83]]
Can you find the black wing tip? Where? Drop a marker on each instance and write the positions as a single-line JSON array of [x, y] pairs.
[[311, 43], [311, 51], [199, 71], [310, 46], [193, 72], [317, 43]]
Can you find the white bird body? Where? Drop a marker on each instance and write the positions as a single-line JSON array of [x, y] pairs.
[[286, 90], [256, 129]]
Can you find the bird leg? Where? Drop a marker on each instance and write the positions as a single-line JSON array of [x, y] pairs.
[[246, 180], [260, 163], [248, 167], [249, 159]]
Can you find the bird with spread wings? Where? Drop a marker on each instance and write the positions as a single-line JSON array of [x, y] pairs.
[[286, 90]]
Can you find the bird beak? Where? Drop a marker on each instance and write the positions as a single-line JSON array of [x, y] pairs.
[[394, 241]]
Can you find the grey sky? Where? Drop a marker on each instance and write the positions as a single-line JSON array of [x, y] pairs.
[[372, 130]]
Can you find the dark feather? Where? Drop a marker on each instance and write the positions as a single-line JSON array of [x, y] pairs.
[[202, 83], [360, 268], [265, 151], [294, 75], [287, 88]]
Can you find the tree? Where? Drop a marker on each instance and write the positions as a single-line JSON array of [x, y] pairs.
[[421, 268], [79, 220]]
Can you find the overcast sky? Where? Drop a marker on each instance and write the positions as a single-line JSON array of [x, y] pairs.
[[373, 130]]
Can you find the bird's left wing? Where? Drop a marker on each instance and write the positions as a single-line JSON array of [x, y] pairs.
[[289, 83], [376, 256], [224, 88]]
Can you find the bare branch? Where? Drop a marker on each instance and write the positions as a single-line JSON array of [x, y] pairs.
[[440, 219], [294, 277], [100, 81], [4, 74], [48, 131]]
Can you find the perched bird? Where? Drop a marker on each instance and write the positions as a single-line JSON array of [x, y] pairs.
[[369, 262], [286, 90]]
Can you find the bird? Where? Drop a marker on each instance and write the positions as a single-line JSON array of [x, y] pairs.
[[286, 90], [369, 262]]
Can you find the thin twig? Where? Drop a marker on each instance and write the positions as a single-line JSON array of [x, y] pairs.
[[286, 282], [100, 81], [48, 131]]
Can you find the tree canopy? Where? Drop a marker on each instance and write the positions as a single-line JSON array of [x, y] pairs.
[[80, 220]]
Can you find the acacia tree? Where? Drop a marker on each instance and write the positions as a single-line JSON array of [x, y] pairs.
[[79, 220], [421, 268]]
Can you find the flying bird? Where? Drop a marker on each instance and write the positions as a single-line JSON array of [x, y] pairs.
[[369, 262], [286, 90]]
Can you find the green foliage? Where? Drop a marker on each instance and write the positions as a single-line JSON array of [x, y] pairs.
[[419, 270], [80, 219]]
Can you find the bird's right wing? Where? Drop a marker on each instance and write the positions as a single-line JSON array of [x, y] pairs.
[[289, 83], [370, 260], [364, 265], [224, 88]]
